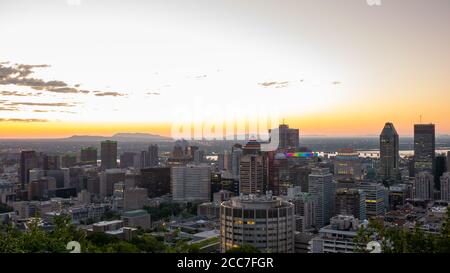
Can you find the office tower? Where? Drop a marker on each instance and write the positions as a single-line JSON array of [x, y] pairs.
[[265, 222], [153, 159], [224, 161], [134, 199], [350, 202], [300, 175], [251, 177], [278, 174], [107, 180], [448, 161], [423, 186], [389, 152], [424, 148], [155, 180], [127, 160], [440, 169], [51, 162], [108, 154], [304, 208], [347, 165], [88, 155], [191, 183], [39, 189], [321, 188], [375, 198], [236, 153], [445, 187], [338, 237], [68, 160], [288, 137], [28, 161], [398, 195]]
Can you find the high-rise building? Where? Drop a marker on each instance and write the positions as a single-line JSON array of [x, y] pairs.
[[51, 162], [448, 161], [288, 137], [440, 169], [156, 181], [265, 222], [109, 154], [423, 186], [350, 202], [224, 161], [199, 156], [88, 155], [236, 153], [389, 152], [424, 148], [107, 180], [251, 177], [347, 165], [28, 161], [445, 187], [321, 188], [375, 198], [191, 183], [68, 160], [153, 157], [127, 160], [304, 205]]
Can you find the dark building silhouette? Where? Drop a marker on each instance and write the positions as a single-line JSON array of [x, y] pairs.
[[440, 169], [28, 160], [88, 155], [424, 148], [155, 180], [109, 154], [389, 152]]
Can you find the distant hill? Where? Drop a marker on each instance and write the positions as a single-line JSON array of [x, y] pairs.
[[124, 137]]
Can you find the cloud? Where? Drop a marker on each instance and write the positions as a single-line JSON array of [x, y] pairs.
[[5, 109], [50, 104], [112, 94], [18, 94], [336, 83], [22, 120], [275, 84], [19, 75]]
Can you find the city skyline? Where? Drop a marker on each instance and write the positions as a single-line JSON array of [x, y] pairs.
[[332, 69]]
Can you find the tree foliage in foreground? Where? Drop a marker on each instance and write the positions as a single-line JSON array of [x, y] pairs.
[[402, 240]]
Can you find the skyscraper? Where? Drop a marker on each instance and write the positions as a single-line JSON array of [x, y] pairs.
[[423, 186], [153, 158], [236, 153], [440, 168], [289, 137], [191, 183], [348, 165], [28, 161], [88, 155], [109, 154], [424, 148], [350, 202], [448, 161], [251, 177], [389, 152], [321, 188]]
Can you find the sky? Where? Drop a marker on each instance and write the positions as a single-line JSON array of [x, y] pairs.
[[335, 68]]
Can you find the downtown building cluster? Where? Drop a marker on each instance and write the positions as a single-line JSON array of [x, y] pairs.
[[271, 200]]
